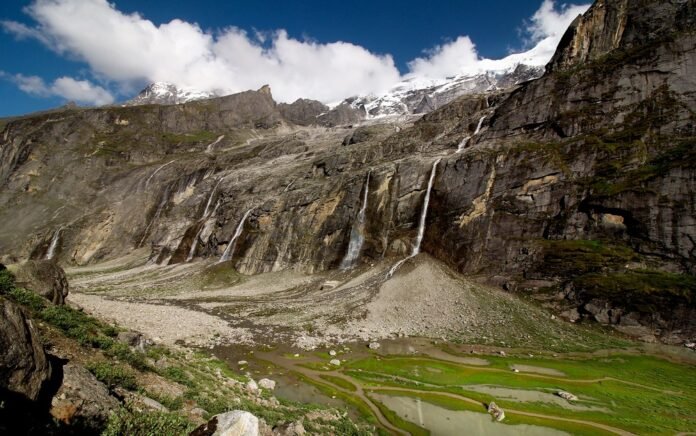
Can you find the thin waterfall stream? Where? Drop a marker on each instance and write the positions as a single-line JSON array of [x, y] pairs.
[[421, 223], [357, 232], [229, 251]]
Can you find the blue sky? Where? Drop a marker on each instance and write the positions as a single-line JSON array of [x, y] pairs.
[[97, 52]]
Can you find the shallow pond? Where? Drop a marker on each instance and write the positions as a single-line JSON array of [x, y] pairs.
[[444, 422]]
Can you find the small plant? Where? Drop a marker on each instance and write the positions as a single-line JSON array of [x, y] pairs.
[[125, 422], [113, 375]]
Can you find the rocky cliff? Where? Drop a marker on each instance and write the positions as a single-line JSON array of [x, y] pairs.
[[577, 187]]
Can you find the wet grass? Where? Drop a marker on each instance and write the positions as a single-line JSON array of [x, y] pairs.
[[642, 394]]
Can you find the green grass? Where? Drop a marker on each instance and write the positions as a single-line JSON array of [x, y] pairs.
[[113, 375], [663, 405], [340, 382], [127, 422]]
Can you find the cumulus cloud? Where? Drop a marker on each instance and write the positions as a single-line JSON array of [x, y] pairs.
[[543, 32], [81, 91], [124, 51], [130, 50]]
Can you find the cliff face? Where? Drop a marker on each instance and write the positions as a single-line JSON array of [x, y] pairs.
[[577, 187]]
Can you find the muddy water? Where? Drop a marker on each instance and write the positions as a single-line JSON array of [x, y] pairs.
[[444, 422]]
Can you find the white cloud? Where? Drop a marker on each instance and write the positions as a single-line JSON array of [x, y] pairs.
[[130, 50], [81, 91], [544, 31], [127, 50]]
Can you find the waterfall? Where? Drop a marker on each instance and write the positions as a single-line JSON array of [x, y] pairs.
[[54, 244], [480, 123], [229, 251], [194, 245], [209, 148], [157, 171], [210, 199], [463, 143], [421, 223], [160, 207], [357, 236]]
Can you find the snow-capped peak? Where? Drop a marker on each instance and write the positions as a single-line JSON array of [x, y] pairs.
[[168, 93]]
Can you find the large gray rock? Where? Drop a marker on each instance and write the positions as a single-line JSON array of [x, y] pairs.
[[82, 399], [235, 423], [45, 278], [24, 368]]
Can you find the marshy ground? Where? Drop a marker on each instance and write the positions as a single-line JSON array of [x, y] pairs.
[[449, 346]]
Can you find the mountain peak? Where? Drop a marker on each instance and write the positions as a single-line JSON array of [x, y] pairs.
[[168, 93]]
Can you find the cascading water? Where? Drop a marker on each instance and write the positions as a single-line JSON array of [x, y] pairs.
[[209, 148], [357, 237], [160, 207], [421, 223], [210, 200], [50, 254], [147, 182], [229, 251], [463, 143], [206, 213], [194, 245], [480, 123]]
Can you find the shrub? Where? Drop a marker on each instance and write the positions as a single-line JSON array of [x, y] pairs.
[[6, 281], [113, 375], [125, 422]]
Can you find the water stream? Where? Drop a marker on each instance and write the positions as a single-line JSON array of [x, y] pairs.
[[357, 236], [480, 123], [50, 254], [421, 223], [229, 251]]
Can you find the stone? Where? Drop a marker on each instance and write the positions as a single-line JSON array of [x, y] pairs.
[[134, 339], [242, 363], [374, 346], [571, 315], [138, 401], [495, 411], [335, 362], [82, 399], [252, 386], [24, 367], [266, 383], [567, 396], [45, 278], [234, 423], [289, 429], [332, 352]]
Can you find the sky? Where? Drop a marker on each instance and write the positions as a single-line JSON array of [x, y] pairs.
[[97, 52]]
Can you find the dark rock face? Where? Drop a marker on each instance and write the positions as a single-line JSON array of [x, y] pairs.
[[577, 187], [45, 278], [303, 112], [82, 401], [24, 368]]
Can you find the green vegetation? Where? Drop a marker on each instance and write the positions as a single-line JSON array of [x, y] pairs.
[[574, 257], [113, 375], [636, 393], [127, 422], [643, 290], [189, 138], [340, 382]]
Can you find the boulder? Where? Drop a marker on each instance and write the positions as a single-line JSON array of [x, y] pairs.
[[134, 339], [82, 399], [266, 383], [497, 413], [289, 429], [45, 278], [374, 345], [24, 367], [252, 386], [335, 362], [235, 423], [567, 396]]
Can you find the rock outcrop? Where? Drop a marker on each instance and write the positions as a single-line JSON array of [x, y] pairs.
[[45, 278], [234, 423], [24, 367], [82, 401]]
